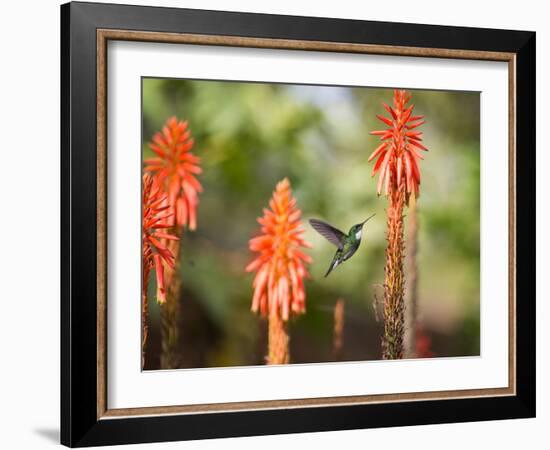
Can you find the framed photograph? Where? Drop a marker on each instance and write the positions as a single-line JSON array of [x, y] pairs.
[[276, 224]]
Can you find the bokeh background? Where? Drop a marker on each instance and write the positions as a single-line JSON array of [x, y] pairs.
[[249, 136]]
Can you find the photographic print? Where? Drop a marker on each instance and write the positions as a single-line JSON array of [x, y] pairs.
[[276, 224], [292, 224]]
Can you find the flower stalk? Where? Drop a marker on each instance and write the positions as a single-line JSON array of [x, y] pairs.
[[397, 162], [144, 314], [170, 313], [338, 332], [278, 340], [394, 278], [411, 313]]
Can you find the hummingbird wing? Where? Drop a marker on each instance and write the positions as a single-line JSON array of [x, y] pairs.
[[333, 235]]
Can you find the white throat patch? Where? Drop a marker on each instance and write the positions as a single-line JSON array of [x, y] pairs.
[[358, 234]]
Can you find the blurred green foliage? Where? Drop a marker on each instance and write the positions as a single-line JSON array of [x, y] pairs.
[[251, 135]]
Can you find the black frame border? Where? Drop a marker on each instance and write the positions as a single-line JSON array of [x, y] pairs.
[[79, 423]]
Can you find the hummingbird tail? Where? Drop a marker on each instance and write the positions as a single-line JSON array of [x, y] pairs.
[[332, 266]]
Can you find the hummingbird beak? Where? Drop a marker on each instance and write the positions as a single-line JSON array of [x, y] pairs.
[[368, 219]]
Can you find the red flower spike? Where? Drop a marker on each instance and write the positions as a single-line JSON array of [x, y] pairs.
[[423, 344], [398, 156], [154, 253], [280, 265], [175, 169]]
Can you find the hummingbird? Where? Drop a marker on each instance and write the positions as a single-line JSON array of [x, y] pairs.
[[347, 243]]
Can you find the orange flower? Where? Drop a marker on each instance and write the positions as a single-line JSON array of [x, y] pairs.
[[175, 170], [155, 217], [280, 265], [399, 153]]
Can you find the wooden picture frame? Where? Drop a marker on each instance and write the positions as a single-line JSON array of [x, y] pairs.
[[86, 418]]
